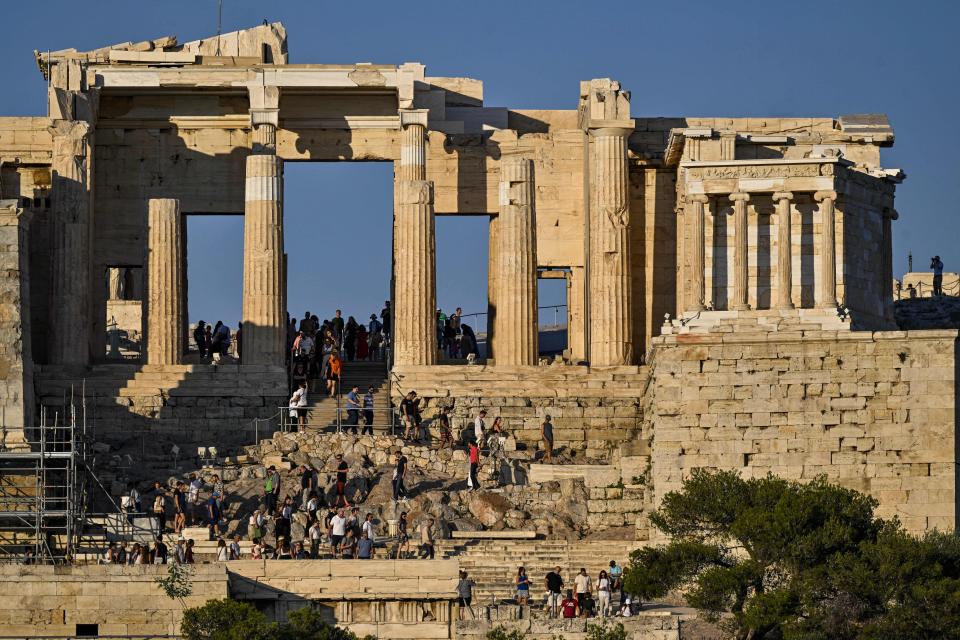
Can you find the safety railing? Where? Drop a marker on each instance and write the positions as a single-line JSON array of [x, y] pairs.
[[555, 312], [925, 289], [343, 420]]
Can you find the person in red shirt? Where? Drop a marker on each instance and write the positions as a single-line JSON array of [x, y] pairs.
[[569, 607], [472, 482]]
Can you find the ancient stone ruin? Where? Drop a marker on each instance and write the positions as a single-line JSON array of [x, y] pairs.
[[730, 301]]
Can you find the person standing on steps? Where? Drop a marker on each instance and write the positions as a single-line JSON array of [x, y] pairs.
[[353, 409], [385, 316], [410, 413], [342, 469], [465, 595], [603, 594], [338, 326], [479, 427], [473, 482], [306, 485], [332, 374], [199, 337], [368, 413], [399, 491], [298, 405], [315, 534], [554, 586], [523, 587], [446, 434], [364, 547], [546, 433], [583, 586], [426, 539]]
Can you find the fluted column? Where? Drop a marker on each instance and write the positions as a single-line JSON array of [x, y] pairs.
[[784, 251], [697, 203], [415, 334], [741, 267], [827, 291], [886, 289], [492, 247], [516, 318], [164, 279], [70, 251], [611, 330], [264, 321]]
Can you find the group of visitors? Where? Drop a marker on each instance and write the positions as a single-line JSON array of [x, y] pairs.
[[184, 502], [587, 598], [454, 338], [214, 342], [117, 553]]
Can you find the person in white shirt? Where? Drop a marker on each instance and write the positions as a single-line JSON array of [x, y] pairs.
[[338, 529], [603, 594], [582, 587], [222, 553], [368, 527], [479, 427], [316, 535], [193, 497], [298, 405]]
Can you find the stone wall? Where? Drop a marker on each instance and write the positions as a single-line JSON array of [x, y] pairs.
[[874, 412], [46, 600], [594, 410]]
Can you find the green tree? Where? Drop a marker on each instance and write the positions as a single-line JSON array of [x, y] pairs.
[[770, 558], [307, 624], [226, 620], [501, 633], [605, 631], [177, 585]]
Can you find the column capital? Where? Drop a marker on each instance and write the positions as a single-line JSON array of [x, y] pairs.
[[700, 198], [612, 128], [410, 117], [890, 213], [739, 197], [783, 195], [820, 196], [260, 117]]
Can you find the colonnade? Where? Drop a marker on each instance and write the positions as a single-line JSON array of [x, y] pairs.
[[826, 290]]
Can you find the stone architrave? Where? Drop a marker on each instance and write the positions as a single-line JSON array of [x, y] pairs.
[[415, 335], [741, 300], [264, 317], [516, 320], [697, 282], [165, 265], [611, 327], [827, 291], [784, 251], [70, 239]]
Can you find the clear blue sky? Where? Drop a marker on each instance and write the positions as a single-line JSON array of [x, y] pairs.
[[817, 58]]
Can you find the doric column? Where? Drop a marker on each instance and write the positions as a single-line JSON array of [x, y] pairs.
[[70, 235], [886, 288], [516, 318], [264, 321], [164, 280], [16, 384], [741, 269], [697, 203], [611, 329], [784, 251], [414, 260], [827, 291]]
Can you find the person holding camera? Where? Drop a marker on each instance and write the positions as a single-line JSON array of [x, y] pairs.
[[936, 264]]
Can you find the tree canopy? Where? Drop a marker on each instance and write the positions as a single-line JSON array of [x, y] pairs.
[[771, 558], [234, 620]]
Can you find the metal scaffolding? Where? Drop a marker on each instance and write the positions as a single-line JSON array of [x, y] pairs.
[[43, 488]]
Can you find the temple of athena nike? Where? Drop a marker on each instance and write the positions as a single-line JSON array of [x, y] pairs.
[[730, 305]]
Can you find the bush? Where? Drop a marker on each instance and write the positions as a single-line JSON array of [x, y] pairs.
[[226, 620]]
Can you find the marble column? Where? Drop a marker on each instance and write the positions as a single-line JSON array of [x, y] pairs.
[[698, 293], [516, 318], [165, 266], [784, 251], [827, 291], [16, 385], [741, 267], [886, 288], [264, 320], [611, 326], [414, 260], [70, 239]]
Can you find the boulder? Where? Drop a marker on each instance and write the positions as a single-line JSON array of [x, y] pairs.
[[488, 508]]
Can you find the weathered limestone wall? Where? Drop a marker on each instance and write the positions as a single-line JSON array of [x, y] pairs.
[[874, 412], [404, 599], [16, 363], [44, 600], [594, 410]]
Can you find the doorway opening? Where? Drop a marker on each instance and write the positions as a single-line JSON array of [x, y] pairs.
[[462, 268], [553, 286], [214, 288], [124, 286]]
